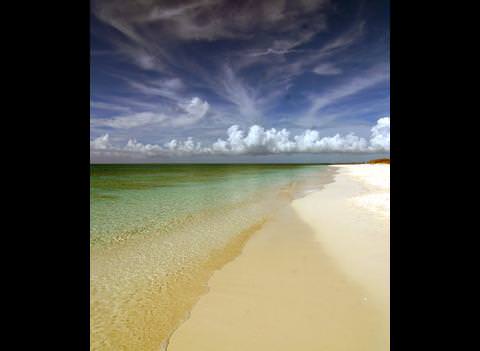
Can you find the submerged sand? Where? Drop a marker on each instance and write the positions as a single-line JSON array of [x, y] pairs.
[[316, 277]]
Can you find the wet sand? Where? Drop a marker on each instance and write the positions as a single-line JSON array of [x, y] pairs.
[[315, 277]]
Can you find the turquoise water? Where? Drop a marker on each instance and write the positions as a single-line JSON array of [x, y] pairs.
[[128, 200], [158, 232]]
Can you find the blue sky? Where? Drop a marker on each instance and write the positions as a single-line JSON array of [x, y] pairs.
[[251, 80]]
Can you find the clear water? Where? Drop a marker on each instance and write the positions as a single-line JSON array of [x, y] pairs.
[[159, 231]]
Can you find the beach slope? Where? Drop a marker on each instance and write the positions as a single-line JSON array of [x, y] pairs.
[[315, 277]]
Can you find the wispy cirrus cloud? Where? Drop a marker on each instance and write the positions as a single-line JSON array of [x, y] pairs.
[[109, 106], [348, 88], [234, 90], [327, 69], [312, 58], [206, 19], [191, 112], [169, 88]]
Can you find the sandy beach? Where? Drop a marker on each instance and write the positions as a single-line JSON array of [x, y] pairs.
[[315, 277]]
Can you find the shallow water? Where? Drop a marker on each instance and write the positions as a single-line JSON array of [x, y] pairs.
[[159, 231]]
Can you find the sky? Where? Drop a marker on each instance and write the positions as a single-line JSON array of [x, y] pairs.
[[239, 81]]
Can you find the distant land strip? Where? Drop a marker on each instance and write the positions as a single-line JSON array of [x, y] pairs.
[[380, 160]]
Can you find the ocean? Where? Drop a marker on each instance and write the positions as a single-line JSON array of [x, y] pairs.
[[158, 232]]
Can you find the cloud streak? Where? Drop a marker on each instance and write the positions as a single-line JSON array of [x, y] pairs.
[[192, 111], [257, 141], [206, 19], [351, 87]]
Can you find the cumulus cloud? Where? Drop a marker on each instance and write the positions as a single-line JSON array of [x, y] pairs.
[[100, 143], [195, 108], [381, 134], [257, 141]]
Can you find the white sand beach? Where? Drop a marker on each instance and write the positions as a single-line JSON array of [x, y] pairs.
[[315, 277]]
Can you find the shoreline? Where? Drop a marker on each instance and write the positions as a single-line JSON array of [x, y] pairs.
[[140, 297], [316, 276]]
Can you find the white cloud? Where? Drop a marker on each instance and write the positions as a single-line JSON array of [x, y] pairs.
[[192, 111], [207, 19], [196, 108], [137, 147], [100, 143], [257, 141], [108, 106], [238, 93], [381, 134], [314, 58], [167, 88], [351, 87], [327, 69], [130, 121]]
